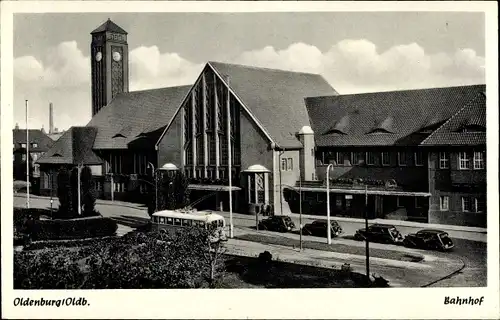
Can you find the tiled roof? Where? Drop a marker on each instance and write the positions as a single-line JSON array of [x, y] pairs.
[[461, 129], [275, 97], [409, 112], [73, 147], [109, 26], [136, 118], [35, 136]]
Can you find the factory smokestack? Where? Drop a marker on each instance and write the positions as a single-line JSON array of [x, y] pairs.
[[51, 119]]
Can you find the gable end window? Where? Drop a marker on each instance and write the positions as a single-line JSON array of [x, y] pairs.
[[464, 161], [386, 160], [444, 203], [402, 159], [478, 160], [444, 160], [370, 158], [419, 159]]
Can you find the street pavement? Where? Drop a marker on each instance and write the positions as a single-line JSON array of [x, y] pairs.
[[469, 254]]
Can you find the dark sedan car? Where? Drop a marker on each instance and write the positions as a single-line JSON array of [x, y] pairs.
[[381, 233], [319, 228], [429, 239], [277, 223]]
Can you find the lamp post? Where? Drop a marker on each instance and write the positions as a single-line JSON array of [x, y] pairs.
[[27, 160], [156, 184], [366, 238], [328, 226], [300, 209], [79, 170]]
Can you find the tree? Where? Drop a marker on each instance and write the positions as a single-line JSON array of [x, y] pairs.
[[88, 190], [64, 193], [74, 188], [173, 191]]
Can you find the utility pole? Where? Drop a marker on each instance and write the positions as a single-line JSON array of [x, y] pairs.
[[366, 238], [328, 227], [229, 161], [79, 189], [27, 160], [300, 209]]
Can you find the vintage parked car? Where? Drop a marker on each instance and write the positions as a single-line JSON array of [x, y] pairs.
[[429, 239], [381, 233], [318, 228], [277, 223]]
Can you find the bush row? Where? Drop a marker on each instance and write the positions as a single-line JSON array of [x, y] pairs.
[[137, 260], [70, 229]]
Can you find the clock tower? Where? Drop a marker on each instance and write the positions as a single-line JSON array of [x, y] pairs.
[[109, 63]]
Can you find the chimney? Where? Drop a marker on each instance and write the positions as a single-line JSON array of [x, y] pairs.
[[17, 126], [51, 119]]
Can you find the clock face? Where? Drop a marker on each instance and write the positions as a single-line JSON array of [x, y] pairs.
[[98, 56], [117, 56]]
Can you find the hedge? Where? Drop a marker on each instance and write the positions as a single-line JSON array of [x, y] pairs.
[[70, 229], [21, 215]]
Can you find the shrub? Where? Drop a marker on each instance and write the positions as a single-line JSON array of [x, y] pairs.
[[71, 229], [137, 260], [88, 190], [74, 189], [64, 193]]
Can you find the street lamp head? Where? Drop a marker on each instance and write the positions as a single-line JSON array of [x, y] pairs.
[[168, 167]]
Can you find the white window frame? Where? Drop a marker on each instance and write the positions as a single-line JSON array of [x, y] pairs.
[[464, 199], [417, 164], [34, 145], [368, 153], [289, 165], [283, 164], [478, 161], [384, 158], [444, 160], [464, 162], [476, 200], [399, 159], [442, 201], [398, 202], [417, 206]]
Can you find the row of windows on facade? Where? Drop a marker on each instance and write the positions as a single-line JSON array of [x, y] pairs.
[[210, 151], [466, 160], [23, 145], [209, 173], [469, 204], [140, 164], [367, 158]]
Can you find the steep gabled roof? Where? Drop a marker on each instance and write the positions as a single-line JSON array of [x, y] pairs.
[[35, 136], [456, 131], [134, 116], [109, 26], [409, 111], [73, 147], [275, 97]]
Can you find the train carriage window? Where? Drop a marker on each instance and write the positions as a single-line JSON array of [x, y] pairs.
[[187, 222], [220, 223], [162, 220], [155, 219], [177, 222], [170, 221]]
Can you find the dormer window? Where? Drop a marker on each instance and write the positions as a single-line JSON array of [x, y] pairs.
[[34, 145], [378, 131], [57, 155], [385, 126], [118, 135], [23, 145], [472, 128], [334, 131], [340, 127]]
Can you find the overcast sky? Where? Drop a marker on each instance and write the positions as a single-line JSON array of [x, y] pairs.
[[355, 52]]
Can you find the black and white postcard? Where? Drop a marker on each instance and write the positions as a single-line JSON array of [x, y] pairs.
[[249, 160]]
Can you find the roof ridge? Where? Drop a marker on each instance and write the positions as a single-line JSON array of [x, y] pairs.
[[263, 68], [157, 89], [468, 104], [398, 91]]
